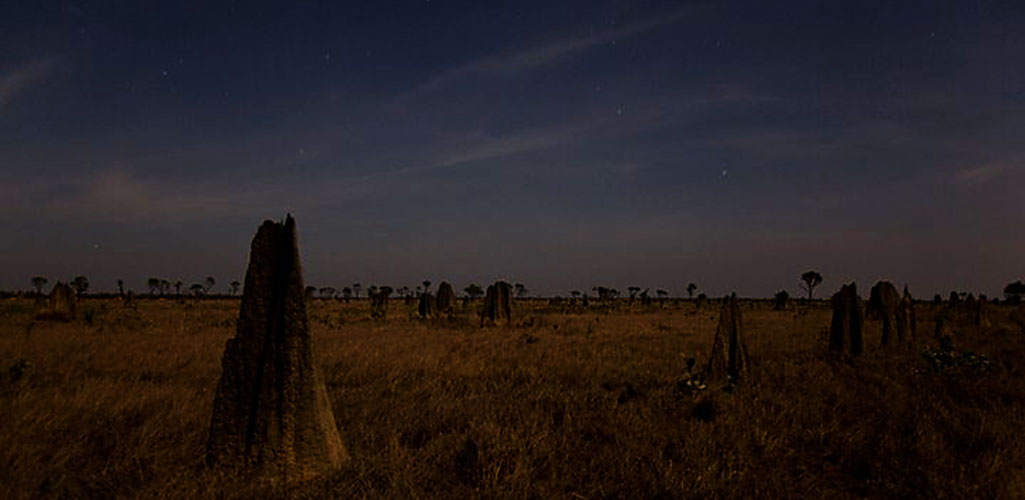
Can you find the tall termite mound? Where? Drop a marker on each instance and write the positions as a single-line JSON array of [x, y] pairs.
[[379, 301], [729, 352], [446, 298], [847, 321], [428, 306], [888, 305], [271, 411], [908, 306], [497, 304], [982, 312]]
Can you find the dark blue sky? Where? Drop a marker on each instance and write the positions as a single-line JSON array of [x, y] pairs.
[[559, 144]]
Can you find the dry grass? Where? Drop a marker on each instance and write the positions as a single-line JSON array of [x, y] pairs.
[[579, 404]]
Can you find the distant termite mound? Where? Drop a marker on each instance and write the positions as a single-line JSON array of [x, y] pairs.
[[379, 302], [446, 298], [887, 304], [59, 306], [729, 351], [781, 301], [271, 412], [847, 321], [497, 305], [908, 305], [427, 307], [982, 312]]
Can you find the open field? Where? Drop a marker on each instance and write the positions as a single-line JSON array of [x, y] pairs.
[[566, 403]]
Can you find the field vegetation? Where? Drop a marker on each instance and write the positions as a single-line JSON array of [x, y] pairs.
[[567, 402]]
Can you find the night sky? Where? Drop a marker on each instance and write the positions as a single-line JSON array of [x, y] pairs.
[[558, 144]]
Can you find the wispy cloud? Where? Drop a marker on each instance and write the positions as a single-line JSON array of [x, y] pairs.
[[20, 79], [115, 195], [977, 176], [538, 56]]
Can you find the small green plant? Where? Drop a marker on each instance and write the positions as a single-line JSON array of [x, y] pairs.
[[947, 359]]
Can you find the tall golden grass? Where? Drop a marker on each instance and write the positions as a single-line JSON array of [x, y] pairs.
[[566, 403]]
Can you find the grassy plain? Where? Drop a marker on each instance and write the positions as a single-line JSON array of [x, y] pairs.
[[567, 403]]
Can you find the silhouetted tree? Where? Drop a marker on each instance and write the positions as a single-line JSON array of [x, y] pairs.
[[355, 289], [80, 284], [632, 290], [645, 299], [38, 282], [473, 291], [809, 281], [233, 287], [120, 287], [691, 288], [197, 289], [1014, 292], [521, 291], [346, 294], [154, 285], [178, 288], [209, 282], [327, 292], [427, 285], [165, 286], [605, 293]]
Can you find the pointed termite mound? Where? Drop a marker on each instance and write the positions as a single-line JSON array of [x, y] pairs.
[[497, 305], [982, 312], [908, 308], [847, 321], [271, 412], [59, 306], [446, 298], [729, 352]]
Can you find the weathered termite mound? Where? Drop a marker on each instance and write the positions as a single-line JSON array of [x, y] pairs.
[[982, 312], [427, 307], [379, 301], [908, 306], [781, 301], [886, 304], [446, 298], [497, 305], [847, 321], [729, 351], [61, 305], [271, 412]]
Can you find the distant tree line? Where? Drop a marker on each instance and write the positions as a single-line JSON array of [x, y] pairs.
[[1014, 292]]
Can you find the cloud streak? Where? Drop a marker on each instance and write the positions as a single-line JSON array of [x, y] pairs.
[[977, 176], [23, 78], [538, 56]]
